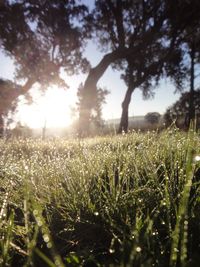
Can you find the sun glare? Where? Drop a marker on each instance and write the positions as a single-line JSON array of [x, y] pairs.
[[52, 109]]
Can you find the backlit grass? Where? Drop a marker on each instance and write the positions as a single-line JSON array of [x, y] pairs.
[[130, 200]]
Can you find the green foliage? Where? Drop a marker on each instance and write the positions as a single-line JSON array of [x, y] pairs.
[[130, 200], [8, 93], [152, 117], [42, 37], [179, 111]]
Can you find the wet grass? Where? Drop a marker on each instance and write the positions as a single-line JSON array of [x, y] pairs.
[[130, 200]]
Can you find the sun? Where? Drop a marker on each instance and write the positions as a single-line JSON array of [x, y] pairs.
[[53, 109]]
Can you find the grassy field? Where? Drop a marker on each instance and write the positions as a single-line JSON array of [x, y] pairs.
[[130, 200]]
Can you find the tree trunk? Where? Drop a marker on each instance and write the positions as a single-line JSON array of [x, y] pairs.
[[123, 126]]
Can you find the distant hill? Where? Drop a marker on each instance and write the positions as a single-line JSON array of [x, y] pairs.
[[132, 120], [135, 122]]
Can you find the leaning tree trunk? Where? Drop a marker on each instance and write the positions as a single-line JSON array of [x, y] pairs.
[[123, 126]]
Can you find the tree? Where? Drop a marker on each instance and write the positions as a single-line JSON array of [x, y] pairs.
[[179, 111], [121, 34], [194, 55], [9, 92], [21, 131], [182, 69], [43, 38], [152, 117], [138, 38]]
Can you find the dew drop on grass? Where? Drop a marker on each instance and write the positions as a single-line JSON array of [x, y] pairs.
[[138, 249], [111, 250], [197, 158], [46, 238], [57, 262], [39, 222], [49, 245]]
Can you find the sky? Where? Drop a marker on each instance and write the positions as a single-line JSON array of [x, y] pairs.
[[42, 112]]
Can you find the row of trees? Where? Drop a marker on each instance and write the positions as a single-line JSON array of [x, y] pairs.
[[179, 112], [145, 40]]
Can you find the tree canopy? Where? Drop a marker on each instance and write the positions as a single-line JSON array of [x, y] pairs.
[[179, 111], [152, 117], [9, 92], [42, 37]]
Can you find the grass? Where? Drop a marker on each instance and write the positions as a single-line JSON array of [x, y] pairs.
[[130, 200]]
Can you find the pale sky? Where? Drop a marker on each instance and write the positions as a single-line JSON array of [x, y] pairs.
[[42, 109], [164, 96]]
